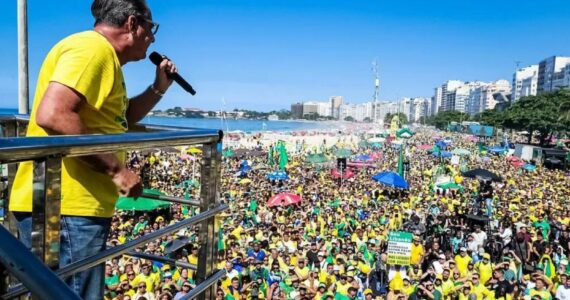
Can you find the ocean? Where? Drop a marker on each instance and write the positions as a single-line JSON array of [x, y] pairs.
[[231, 125]]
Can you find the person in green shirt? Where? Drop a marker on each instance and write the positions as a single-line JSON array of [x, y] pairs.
[[111, 279], [544, 226]]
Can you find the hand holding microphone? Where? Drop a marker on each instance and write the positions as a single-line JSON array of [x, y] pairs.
[[166, 73]]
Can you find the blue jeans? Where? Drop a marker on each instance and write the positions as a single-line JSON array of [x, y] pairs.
[[80, 237]]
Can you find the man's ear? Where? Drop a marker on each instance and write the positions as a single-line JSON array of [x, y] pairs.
[[131, 24]]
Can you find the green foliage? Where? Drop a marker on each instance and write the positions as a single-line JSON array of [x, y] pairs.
[[442, 119], [349, 119], [490, 117], [388, 118], [367, 120], [543, 113]]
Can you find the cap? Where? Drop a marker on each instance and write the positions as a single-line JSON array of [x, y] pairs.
[[367, 291], [462, 249], [486, 256], [442, 256]]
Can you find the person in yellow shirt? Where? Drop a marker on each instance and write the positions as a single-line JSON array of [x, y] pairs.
[[418, 252], [80, 90], [462, 261], [485, 268]]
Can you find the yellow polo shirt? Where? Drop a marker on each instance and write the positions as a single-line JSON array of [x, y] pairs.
[[87, 63]]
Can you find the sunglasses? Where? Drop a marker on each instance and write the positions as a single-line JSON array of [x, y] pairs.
[[153, 25]]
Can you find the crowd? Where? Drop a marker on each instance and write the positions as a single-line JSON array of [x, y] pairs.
[[477, 239]]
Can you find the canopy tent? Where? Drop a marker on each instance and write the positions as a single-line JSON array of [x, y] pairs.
[[283, 199], [444, 154], [450, 185], [141, 203], [482, 173], [391, 179], [316, 158], [460, 151], [405, 133], [343, 152], [363, 157]]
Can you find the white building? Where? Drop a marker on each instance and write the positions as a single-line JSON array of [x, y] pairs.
[[446, 100], [525, 81], [421, 107], [324, 109], [335, 103], [437, 101], [481, 97], [551, 73]]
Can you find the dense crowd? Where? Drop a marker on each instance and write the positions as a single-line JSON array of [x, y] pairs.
[[477, 239]]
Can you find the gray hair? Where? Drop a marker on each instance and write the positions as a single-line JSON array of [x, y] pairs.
[[116, 12]]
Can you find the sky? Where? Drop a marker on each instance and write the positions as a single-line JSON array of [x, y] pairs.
[[266, 54]]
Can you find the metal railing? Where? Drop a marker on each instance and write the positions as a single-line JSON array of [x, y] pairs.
[[34, 272]]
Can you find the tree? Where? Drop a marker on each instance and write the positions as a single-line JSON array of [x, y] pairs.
[[367, 120], [490, 117], [349, 119], [540, 113], [388, 118], [442, 119]]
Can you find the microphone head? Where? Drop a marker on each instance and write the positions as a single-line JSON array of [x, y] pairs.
[[155, 57]]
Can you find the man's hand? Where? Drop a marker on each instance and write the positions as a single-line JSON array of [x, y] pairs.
[[162, 82], [128, 182]]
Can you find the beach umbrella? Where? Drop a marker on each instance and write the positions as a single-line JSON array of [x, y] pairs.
[[450, 185], [277, 175], [441, 144], [229, 152], [376, 145], [194, 150], [245, 181], [482, 173], [362, 157], [363, 144], [391, 179], [283, 199], [141, 203], [425, 147], [376, 155], [529, 167], [513, 158], [444, 154], [345, 175], [316, 158], [343, 152], [517, 163], [460, 151]]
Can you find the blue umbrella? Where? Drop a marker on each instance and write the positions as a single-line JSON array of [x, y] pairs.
[[363, 157], [497, 149], [442, 154], [441, 144], [391, 179], [278, 175], [529, 167]]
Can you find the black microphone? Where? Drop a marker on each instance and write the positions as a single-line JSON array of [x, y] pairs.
[[156, 59]]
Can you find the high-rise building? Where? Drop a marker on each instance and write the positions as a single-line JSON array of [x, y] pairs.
[[297, 110], [525, 81], [482, 97], [324, 109], [310, 108], [335, 102], [437, 100], [421, 107], [551, 73], [446, 100]]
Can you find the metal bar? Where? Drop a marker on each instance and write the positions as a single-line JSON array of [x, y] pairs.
[[23, 80], [178, 263], [208, 234], [194, 202], [46, 210], [29, 148], [204, 286], [101, 257], [30, 271]]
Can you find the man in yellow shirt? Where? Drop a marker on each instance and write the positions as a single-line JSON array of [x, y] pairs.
[[80, 90], [418, 253]]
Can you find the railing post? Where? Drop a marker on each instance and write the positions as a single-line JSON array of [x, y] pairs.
[[210, 174], [46, 210]]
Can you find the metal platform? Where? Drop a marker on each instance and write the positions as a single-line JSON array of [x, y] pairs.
[[36, 270]]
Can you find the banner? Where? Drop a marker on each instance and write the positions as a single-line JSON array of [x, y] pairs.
[[399, 248]]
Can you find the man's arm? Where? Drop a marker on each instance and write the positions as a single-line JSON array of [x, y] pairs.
[[140, 105], [58, 114]]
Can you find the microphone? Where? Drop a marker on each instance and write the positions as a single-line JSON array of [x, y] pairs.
[[156, 59]]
